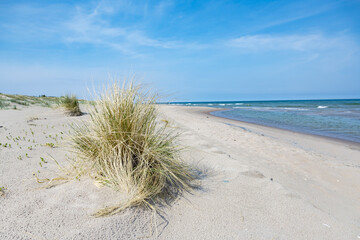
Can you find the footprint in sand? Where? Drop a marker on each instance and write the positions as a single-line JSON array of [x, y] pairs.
[[219, 152], [215, 150], [253, 173]]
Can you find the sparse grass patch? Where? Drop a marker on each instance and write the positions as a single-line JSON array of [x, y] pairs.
[[125, 147], [51, 145], [3, 103], [42, 161], [71, 105], [8, 100], [21, 102], [2, 191]]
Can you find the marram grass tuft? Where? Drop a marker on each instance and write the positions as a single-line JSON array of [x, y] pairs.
[[126, 147], [71, 105]]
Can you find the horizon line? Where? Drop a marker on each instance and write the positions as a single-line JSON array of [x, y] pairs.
[[268, 100]]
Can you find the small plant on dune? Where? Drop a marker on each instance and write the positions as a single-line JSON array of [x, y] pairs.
[[51, 145], [71, 105], [125, 146], [2, 191], [42, 161]]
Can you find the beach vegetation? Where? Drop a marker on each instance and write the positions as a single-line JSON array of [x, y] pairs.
[[51, 145], [21, 102], [2, 191], [10, 100], [42, 161], [71, 105], [124, 146], [3, 103]]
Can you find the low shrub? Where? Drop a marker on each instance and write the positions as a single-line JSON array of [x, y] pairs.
[[71, 105], [126, 147]]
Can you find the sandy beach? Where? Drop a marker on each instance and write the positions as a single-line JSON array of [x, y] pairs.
[[256, 182]]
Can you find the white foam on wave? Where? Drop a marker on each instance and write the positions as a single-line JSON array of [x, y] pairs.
[[273, 108], [210, 104], [222, 104], [295, 109], [322, 106], [239, 104]]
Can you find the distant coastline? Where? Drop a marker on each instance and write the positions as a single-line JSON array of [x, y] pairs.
[[215, 113], [332, 118]]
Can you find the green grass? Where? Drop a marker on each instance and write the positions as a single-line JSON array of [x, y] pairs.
[[3, 103], [9, 100], [126, 147], [50, 145], [21, 102], [2, 191], [71, 105]]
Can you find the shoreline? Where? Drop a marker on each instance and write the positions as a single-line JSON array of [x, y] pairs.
[[337, 140], [323, 172]]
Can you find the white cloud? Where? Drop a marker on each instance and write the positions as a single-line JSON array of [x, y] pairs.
[[279, 13], [103, 23], [310, 42], [92, 28]]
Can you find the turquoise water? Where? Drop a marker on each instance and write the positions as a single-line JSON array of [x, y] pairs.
[[332, 118]]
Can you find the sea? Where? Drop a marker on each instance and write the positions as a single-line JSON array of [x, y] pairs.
[[330, 118]]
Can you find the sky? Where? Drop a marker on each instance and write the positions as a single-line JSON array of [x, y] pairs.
[[186, 50]]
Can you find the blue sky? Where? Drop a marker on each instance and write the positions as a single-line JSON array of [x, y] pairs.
[[187, 50]]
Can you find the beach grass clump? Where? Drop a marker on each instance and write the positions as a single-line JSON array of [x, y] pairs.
[[71, 104], [2, 104], [126, 147], [2, 191]]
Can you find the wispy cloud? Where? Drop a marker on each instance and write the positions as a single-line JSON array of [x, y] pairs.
[[292, 11], [309, 42], [91, 26], [102, 24]]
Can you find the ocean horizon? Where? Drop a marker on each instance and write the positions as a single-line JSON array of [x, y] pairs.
[[335, 118]]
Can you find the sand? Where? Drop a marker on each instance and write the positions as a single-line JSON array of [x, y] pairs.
[[256, 183]]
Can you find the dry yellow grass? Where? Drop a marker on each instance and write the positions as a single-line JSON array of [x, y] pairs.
[[71, 104], [124, 146]]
